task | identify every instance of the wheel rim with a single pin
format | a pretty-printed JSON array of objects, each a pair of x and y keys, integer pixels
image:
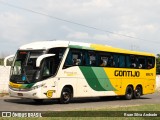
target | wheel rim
[
  {"x": 66, "y": 96},
  {"x": 129, "y": 92},
  {"x": 138, "y": 92}
]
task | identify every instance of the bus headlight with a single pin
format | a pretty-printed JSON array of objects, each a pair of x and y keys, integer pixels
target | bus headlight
[{"x": 37, "y": 86}]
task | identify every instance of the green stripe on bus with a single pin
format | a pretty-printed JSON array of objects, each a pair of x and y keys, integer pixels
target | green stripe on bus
[
  {"x": 91, "y": 78},
  {"x": 30, "y": 85},
  {"x": 103, "y": 79},
  {"x": 97, "y": 78},
  {"x": 80, "y": 47},
  {"x": 27, "y": 85}
]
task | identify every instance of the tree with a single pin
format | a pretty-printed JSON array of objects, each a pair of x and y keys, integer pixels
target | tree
[
  {"x": 1, "y": 61},
  {"x": 158, "y": 63},
  {"x": 9, "y": 62}
]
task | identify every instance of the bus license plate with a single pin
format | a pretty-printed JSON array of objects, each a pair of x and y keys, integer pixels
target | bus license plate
[{"x": 20, "y": 94}]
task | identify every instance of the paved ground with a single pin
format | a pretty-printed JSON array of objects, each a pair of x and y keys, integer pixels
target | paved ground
[{"x": 15, "y": 104}]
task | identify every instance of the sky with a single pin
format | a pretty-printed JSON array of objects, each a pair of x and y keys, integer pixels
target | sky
[{"x": 138, "y": 19}]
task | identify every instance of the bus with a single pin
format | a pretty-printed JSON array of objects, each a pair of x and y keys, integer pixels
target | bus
[{"x": 65, "y": 70}]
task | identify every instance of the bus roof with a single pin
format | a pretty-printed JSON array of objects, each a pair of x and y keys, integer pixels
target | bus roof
[{"x": 62, "y": 43}]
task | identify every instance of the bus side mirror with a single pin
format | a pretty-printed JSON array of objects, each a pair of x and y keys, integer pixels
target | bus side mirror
[
  {"x": 6, "y": 58},
  {"x": 40, "y": 58}
]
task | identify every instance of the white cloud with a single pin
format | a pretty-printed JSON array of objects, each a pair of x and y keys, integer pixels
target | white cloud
[
  {"x": 11, "y": 29},
  {"x": 133, "y": 18},
  {"x": 151, "y": 27},
  {"x": 65, "y": 28},
  {"x": 97, "y": 37},
  {"x": 78, "y": 35},
  {"x": 101, "y": 37}
]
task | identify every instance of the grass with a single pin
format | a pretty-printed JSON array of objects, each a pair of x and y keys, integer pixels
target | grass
[
  {"x": 95, "y": 112},
  {"x": 151, "y": 107}
]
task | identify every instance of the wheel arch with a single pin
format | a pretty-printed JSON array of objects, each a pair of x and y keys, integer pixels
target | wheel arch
[
  {"x": 131, "y": 86},
  {"x": 70, "y": 87}
]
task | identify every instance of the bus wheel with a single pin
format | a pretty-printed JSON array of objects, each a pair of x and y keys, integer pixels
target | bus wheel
[
  {"x": 38, "y": 100},
  {"x": 129, "y": 93},
  {"x": 137, "y": 92},
  {"x": 66, "y": 95}
]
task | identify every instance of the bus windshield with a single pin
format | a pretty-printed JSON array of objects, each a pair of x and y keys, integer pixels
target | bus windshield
[{"x": 24, "y": 69}]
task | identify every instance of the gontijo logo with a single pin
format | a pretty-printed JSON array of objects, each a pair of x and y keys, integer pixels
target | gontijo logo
[{"x": 124, "y": 73}]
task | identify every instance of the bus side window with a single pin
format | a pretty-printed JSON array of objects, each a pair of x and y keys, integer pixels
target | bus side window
[
  {"x": 150, "y": 63},
  {"x": 92, "y": 58},
  {"x": 111, "y": 62},
  {"x": 68, "y": 61},
  {"x": 49, "y": 68},
  {"x": 74, "y": 58},
  {"x": 121, "y": 61},
  {"x": 141, "y": 62},
  {"x": 103, "y": 59},
  {"x": 128, "y": 61},
  {"x": 116, "y": 60},
  {"x": 59, "y": 52},
  {"x": 133, "y": 61}
]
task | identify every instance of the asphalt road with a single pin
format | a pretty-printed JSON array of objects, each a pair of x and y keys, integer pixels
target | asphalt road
[{"x": 16, "y": 104}]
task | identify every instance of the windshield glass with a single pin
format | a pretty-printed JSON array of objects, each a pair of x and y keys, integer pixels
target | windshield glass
[{"x": 24, "y": 69}]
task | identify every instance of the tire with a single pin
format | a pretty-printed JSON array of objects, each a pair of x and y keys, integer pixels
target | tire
[
  {"x": 129, "y": 93},
  {"x": 66, "y": 95},
  {"x": 138, "y": 92},
  {"x": 38, "y": 100}
]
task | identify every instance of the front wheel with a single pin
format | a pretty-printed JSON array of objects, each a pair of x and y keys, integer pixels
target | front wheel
[
  {"x": 66, "y": 95},
  {"x": 129, "y": 93}
]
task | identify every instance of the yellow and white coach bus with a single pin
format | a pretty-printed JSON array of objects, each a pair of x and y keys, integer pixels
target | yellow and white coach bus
[{"x": 64, "y": 70}]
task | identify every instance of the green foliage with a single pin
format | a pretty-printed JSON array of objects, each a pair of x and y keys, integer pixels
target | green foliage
[
  {"x": 9, "y": 63},
  {"x": 1, "y": 61},
  {"x": 158, "y": 63}
]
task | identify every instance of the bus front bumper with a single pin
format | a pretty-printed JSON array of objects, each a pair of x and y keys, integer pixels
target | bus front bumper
[{"x": 32, "y": 94}]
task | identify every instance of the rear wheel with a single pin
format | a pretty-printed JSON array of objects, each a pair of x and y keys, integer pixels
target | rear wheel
[
  {"x": 138, "y": 92},
  {"x": 129, "y": 93},
  {"x": 66, "y": 95}
]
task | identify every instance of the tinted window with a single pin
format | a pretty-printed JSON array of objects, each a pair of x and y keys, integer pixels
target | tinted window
[
  {"x": 79, "y": 57},
  {"x": 121, "y": 61},
  {"x": 150, "y": 62},
  {"x": 141, "y": 63},
  {"x": 91, "y": 61},
  {"x": 74, "y": 58}
]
